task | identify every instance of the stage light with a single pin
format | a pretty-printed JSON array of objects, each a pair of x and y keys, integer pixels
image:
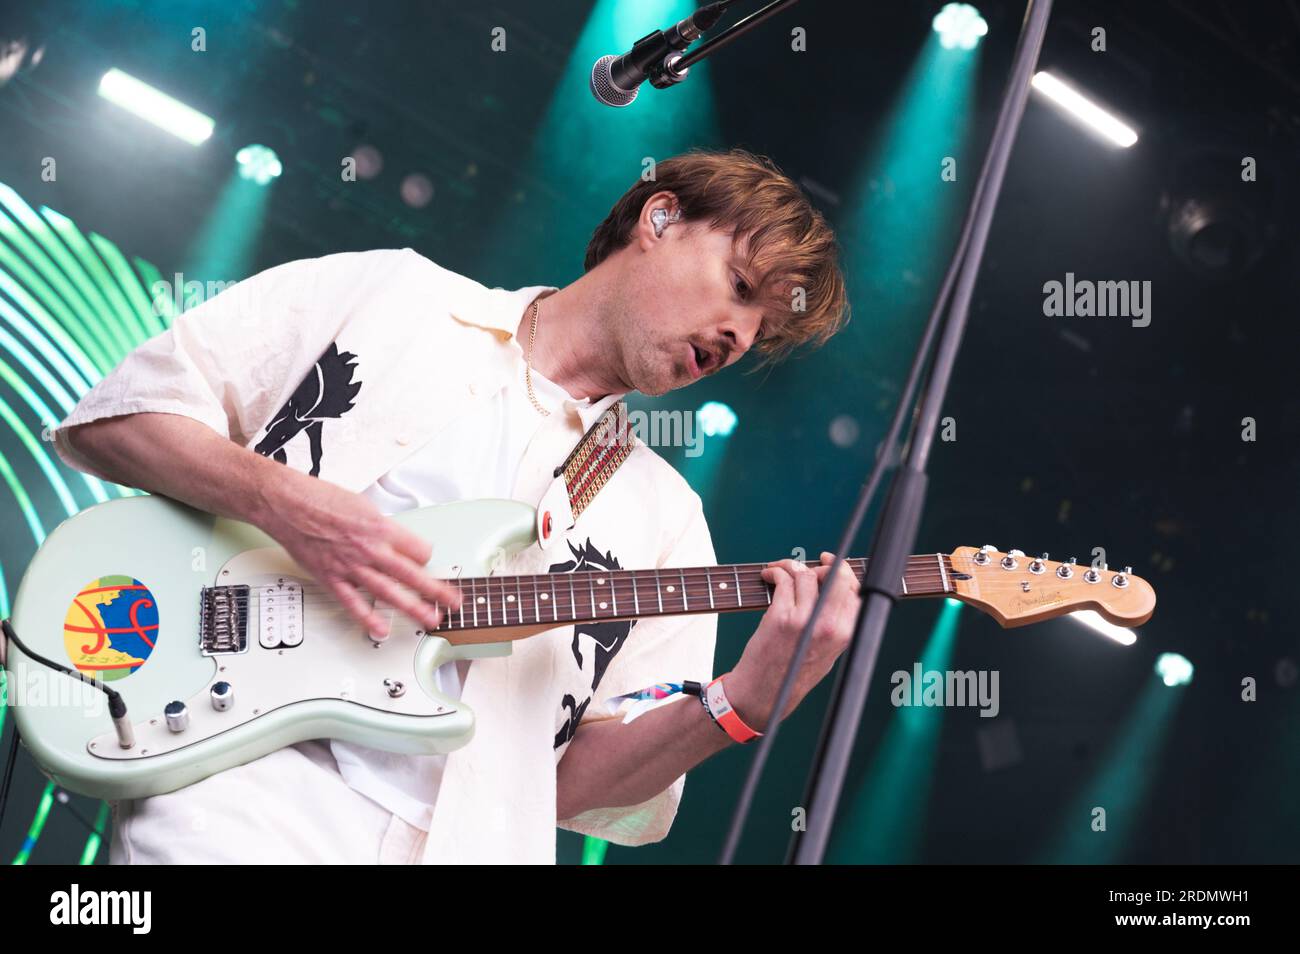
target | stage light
[
  {"x": 1098, "y": 624},
  {"x": 959, "y": 26},
  {"x": 1084, "y": 110},
  {"x": 716, "y": 419},
  {"x": 258, "y": 163},
  {"x": 155, "y": 106},
  {"x": 1174, "y": 669}
]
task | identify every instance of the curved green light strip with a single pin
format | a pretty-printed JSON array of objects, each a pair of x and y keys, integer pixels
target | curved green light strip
[
  {"x": 81, "y": 293},
  {"x": 37, "y": 826},
  {"x": 71, "y": 307},
  {"x": 84, "y": 324},
  {"x": 141, "y": 303},
  {"x": 11, "y": 278},
  {"x": 150, "y": 276},
  {"x": 33, "y": 445},
  {"x": 91, "y": 851},
  {"x": 127, "y": 326},
  {"x": 24, "y": 501}
]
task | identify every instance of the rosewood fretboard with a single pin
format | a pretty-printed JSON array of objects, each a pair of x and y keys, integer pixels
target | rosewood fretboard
[{"x": 490, "y": 602}]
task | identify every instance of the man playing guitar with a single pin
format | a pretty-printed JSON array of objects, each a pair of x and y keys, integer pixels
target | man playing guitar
[{"x": 383, "y": 382}]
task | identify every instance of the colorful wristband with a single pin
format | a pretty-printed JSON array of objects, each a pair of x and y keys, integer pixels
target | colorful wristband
[{"x": 720, "y": 711}]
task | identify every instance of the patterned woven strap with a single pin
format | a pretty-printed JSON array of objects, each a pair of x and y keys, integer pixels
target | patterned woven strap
[{"x": 600, "y": 452}]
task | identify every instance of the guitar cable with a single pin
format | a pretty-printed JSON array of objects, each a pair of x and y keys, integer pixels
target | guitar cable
[{"x": 116, "y": 704}]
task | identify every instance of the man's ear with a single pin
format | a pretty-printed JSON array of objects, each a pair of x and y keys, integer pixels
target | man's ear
[{"x": 658, "y": 213}]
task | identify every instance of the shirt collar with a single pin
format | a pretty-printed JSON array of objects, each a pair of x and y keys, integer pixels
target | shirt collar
[{"x": 501, "y": 310}]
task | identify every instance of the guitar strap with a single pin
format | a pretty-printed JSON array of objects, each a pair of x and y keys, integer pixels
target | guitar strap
[{"x": 587, "y": 469}]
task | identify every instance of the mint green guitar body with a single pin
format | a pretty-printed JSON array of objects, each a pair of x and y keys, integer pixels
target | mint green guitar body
[{"x": 115, "y": 591}]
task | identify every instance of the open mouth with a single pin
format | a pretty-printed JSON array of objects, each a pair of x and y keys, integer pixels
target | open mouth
[{"x": 705, "y": 360}]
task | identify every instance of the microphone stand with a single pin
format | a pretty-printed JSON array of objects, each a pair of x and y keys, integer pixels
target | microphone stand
[
  {"x": 901, "y": 514},
  {"x": 674, "y": 66}
]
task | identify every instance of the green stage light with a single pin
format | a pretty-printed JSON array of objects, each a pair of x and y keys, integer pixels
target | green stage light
[
  {"x": 1174, "y": 669},
  {"x": 959, "y": 26},
  {"x": 155, "y": 106},
  {"x": 258, "y": 163},
  {"x": 716, "y": 419}
]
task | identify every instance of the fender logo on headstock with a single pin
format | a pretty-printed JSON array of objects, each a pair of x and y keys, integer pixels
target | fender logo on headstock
[{"x": 1041, "y": 598}]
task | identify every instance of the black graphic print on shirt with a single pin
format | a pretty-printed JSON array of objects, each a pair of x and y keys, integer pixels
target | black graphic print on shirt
[
  {"x": 325, "y": 392},
  {"x": 608, "y": 638}
]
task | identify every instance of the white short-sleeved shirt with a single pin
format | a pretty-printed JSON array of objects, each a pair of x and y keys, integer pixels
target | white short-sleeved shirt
[
  {"x": 477, "y": 455},
  {"x": 346, "y": 367}
]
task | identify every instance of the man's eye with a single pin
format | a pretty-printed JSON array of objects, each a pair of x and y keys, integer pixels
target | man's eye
[{"x": 742, "y": 286}]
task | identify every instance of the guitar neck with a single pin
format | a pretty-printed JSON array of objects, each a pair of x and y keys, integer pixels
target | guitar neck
[{"x": 492, "y": 602}]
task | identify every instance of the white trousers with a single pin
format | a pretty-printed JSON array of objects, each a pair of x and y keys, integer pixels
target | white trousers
[{"x": 289, "y": 807}]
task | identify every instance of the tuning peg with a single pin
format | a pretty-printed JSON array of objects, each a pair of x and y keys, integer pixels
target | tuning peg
[
  {"x": 989, "y": 548},
  {"x": 1037, "y": 565},
  {"x": 1121, "y": 579},
  {"x": 1015, "y": 553},
  {"x": 1044, "y": 556},
  {"x": 1072, "y": 560}
]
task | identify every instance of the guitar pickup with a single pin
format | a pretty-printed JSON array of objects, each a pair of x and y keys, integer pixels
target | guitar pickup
[{"x": 279, "y": 615}]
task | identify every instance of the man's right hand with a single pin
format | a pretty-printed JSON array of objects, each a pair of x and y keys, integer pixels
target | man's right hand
[{"x": 352, "y": 549}]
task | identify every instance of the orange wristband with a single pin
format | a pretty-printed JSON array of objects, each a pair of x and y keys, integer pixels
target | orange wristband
[{"x": 720, "y": 710}]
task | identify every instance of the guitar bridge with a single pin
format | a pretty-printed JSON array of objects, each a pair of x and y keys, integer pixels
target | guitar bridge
[{"x": 223, "y": 620}]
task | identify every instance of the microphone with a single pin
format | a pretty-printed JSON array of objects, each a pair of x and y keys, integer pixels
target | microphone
[{"x": 614, "y": 79}]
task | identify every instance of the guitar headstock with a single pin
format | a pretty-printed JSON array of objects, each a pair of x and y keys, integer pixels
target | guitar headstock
[{"x": 1015, "y": 589}]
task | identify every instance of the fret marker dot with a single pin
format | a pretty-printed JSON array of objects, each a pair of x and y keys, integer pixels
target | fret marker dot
[
  {"x": 671, "y": 588},
  {"x": 546, "y": 596},
  {"x": 603, "y": 605},
  {"x": 722, "y": 586},
  {"x": 482, "y": 599},
  {"x": 600, "y": 580},
  {"x": 510, "y": 599}
]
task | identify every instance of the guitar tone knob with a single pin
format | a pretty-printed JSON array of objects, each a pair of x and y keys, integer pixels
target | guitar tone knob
[
  {"x": 177, "y": 715},
  {"x": 223, "y": 696}
]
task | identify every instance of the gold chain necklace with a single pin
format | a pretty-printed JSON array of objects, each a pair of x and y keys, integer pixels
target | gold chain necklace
[{"x": 528, "y": 363}]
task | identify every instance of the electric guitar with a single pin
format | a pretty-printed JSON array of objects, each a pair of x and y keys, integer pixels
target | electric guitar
[{"x": 205, "y": 646}]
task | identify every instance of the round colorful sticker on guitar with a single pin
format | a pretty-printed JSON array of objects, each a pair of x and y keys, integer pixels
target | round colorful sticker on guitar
[{"x": 111, "y": 627}]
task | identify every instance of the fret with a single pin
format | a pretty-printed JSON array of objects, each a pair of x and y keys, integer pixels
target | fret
[
  {"x": 537, "y": 608},
  {"x": 555, "y": 613},
  {"x": 767, "y": 589},
  {"x": 505, "y": 609},
  {"x": 659, "y": 588},
  {"x": 613, "y": 592},
  {"x": 682, "y": 574},
  {"x": 591, "y": 588},
  {"x": 519, "y": 601},
  {"x": 461, "y": 609},
  {"x": 943, "y": 573},
  {"x": 735, "y": 572},
  {"x": 636, "y": 600},
  {"x": 904, "y": 582},
  {"x": 573, "y": 600},
  {"x": 473, "y": 584},
  {"x": 708, "y": 581}
]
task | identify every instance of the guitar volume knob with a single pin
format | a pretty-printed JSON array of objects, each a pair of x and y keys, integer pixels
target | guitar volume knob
[
  {"x": 223, "y": 696},
  {"x": 177, "y": 715}
]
